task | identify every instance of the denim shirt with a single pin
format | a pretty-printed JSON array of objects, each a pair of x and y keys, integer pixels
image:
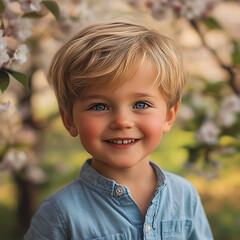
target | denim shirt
[{"x": 93, "y": 207}]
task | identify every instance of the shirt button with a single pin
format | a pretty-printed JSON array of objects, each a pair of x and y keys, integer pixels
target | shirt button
[
  {"x": 148, "y": 228},
  {"x": 119, "y": 191}
]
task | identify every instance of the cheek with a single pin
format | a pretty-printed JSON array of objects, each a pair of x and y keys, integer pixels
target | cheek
[
  {"x": 89, "y": 129},
  {"x": 152, "y": 127}
]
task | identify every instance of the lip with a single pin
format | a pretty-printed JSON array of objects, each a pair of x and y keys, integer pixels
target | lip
[{"x": 126, "y": 142}]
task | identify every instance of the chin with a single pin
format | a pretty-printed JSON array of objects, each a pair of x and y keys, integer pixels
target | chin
[{"x": 123, "y": 164}]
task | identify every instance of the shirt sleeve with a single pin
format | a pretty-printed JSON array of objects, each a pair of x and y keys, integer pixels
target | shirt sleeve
[
  {"x": 47, "y": 224},
  {"x": 200, "y": 229}
]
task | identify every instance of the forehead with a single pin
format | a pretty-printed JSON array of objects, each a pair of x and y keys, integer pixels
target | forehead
[{"x": 139, "y": 79}]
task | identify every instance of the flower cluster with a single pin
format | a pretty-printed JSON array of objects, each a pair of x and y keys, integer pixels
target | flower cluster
[
  {"x": 18, "y": 161},
  {"x": 211, "y": 115},
  {"x": 214, "y": 121},
  {"x": 30, "y": 5},
  {"x": 208, "y": 133},
  {"x": 14, "y": 160},
  {"x": 229, "y": 109},
  {"x": 4, "y": 57},
  {"x": 18, "y": 28},
  {"x": 16, "y": 21},
  {"x": 20, "y": 55},
  {"x": 211, "y": 120},
  {"x": 191, "y": 9}
]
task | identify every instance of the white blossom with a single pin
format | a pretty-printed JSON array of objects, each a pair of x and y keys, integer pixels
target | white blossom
[
  {"x": 192, "y": 9},
  {"x": 197, "y": 101},
  {"x": 30, "y": 5},
  {"x": 20, "y": 55},
  {"x": 4, "y": 106},
  {"x": 15, "y": 160},
  {"x": 208, "y": 133},
  {"x": 3, "y": 42},
  {"x": 21, "y": 28},
  {"x": 6, "y": 2},
  {"x": 226, "y": 119},
  {"x": 36, "y": 175},
  {"x": 65, "y": 22},
  {"x": 4, "y": 57},
  {"x": 229, "y": 107},
  {"x": 84, "y": 12},
  {"x": 176, "y": 5},
  {"x": 231, "y": 104},
  {"x": 160, "y": 11},
  {"x": 186, "y": 113}
]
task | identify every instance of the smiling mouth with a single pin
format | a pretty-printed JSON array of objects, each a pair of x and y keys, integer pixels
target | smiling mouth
[{"x": 122, "y": 141}]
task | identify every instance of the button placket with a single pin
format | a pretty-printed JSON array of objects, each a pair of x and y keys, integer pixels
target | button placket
[
  {"x": 119, "y": 191},
  {"x": 148, "y": 228}
]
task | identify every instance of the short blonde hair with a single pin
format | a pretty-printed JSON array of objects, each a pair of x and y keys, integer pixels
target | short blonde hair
[{"x": 104, "y": 53}]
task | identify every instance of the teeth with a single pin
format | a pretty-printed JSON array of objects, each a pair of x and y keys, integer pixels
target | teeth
[{"x": 118, "y": 141}]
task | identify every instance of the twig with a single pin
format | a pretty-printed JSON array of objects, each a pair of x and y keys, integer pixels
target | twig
[{"x": 229, "y": 69}]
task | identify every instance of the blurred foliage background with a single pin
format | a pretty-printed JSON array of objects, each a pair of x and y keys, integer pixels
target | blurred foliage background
[{"x": 37, "y": 156}]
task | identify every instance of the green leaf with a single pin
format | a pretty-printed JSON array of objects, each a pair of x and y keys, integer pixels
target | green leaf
[
  {"x": 236, "y": 53},
  {"x": 20, "y": 77},
  {"x": 53, "y": 8},
  {"x": 2, "y": 7},
  {"x": 212, "y": 23},
  {"x": 4, "y": 80},
  {"x": 2, "y": 25},
  {"x": 33, "y": 15},
  {"x": 214, "y": 87}
]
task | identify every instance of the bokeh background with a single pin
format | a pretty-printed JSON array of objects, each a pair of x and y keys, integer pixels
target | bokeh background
[{"x": 37, "y": 155}]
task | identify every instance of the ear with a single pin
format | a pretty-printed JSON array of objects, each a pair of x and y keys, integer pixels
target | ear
[
  {"x": 68, "y": 123},
  {"x": 170, "y": 118}
]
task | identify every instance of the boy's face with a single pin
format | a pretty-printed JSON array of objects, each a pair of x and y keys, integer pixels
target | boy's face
[{"x": 122, "y": 127}]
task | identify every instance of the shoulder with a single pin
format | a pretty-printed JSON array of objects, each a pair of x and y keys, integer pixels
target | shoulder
[
  {"x": 177, "y": 181},
  {"x": 180, "y": 187},
  {"x": 48, "y": 221},
  {"x": 53, "y": 214},
  {"x": 179, "y": 196},
  {"x": 64, "y": 197},
  {"x": 68, "y": 191},
  {"x": 69, "y": 198}
]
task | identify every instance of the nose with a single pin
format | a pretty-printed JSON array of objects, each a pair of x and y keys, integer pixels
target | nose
[{"x": 121, "y": 120}]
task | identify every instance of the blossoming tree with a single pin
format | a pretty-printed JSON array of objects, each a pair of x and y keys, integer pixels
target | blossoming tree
[
  {"x": 211, "y": 109},
  {"x": 25, "y": 28},
  {"x": 15, "y": 154}
]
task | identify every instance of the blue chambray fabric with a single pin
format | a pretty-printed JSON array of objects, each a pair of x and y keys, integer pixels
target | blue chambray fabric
[{"x": 93, "y": 207}]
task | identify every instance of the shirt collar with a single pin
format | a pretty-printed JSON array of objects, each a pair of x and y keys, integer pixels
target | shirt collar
[{"x": 99, "y": 183}]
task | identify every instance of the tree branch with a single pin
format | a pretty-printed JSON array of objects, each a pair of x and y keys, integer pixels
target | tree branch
[{"x": 229, "y": 69}]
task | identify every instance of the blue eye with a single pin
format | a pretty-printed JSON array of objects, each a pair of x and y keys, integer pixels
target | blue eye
[
  {"x": 140, "y": 105},
  {"x": 99, "y": 107}
]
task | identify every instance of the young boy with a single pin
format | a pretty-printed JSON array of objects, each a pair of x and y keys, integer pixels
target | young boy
[{"x": 118, "y": 87}]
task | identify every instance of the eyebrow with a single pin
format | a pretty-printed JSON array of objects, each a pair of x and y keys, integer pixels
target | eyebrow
[
  {"x": 98, "y": 96},
  {"x": 141, "y": 95},
  {"x": 95, "y": 96}
]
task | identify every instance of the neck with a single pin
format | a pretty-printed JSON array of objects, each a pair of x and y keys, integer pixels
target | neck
[
  {"x": 141, "y": 172},
  {"x": 138, "y": 179}
]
